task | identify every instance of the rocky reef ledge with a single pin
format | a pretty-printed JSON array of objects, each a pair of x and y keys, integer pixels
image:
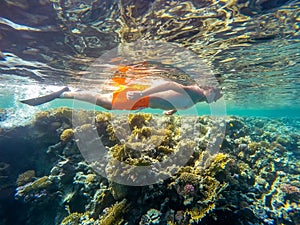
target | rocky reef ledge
[{"x": 250, "y": 177}]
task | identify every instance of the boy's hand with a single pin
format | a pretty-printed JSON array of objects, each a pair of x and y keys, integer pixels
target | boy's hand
[{"x": 133, "y": 95}]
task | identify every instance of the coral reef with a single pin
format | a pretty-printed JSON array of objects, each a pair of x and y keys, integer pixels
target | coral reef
[
  {"x": 37, "y": 185},
  {"x": 253, "y": 179},
  {"x": 25, "y": 177},
  {"x": 67, "y": 135}
]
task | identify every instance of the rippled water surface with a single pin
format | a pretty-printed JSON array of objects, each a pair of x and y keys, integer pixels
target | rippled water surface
[{"x": 251, "y": 46}]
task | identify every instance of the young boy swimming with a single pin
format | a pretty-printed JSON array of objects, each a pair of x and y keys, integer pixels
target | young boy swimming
[{"x": 169, "y": 96}]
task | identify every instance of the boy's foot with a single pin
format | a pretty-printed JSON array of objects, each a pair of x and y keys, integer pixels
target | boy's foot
[{"x": 170, "y": 112}]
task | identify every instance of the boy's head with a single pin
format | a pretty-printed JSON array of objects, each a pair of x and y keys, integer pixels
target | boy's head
[{"x": 212, "y": 94}]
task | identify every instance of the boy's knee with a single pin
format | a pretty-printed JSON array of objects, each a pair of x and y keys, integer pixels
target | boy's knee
[{"x": 104, "y": 103}]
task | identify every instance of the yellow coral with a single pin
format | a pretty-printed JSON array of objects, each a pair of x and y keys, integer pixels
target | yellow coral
[
  {"x": 72, "y": 219},
  {"x": 42, "y": 115},
  {"x": 254, "y": 146},
  {"x": 218, "y": 163},
  {"x": 86, "y": 128},
  {"x": 139, "y": 120},
  {"x": 140, "y": 133},
  {"x": 190, "y": 178},
  {"x": 165, "y": 149},
  {"x": 90, "y": 178},
  {"x": 103, "y": 117},
  {"x": 63, "y": 112},
  {"x": 53, "y": 118},
  {"x": 119, "y": 152},
  {"x": 210, "y": 193},
  {"x": 111, "y": 132},
  {"x": 78, "y": 218},
  {"x": 197, "y": 213},
  {"x": 114, "y": 214},
  {"x": 40, "y": 183},
  {"x": 67, "y": 135}
]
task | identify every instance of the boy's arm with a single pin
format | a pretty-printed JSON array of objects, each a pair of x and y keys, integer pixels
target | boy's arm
[{"x": 166, "y": 86}]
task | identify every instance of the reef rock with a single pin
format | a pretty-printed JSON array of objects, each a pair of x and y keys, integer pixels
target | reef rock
[{"x": 252, "y": 179}]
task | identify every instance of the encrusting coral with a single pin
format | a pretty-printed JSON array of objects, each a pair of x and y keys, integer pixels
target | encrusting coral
[{"x": 253, "y": 178}]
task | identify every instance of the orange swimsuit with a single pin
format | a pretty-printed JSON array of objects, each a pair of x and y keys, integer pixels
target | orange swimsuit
[{"x": 120, "y": 101}]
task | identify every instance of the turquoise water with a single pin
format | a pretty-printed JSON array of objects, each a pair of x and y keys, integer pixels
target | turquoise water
[
  {"x": 18, "y": 114},
  {"x": 242, "y": 152}
]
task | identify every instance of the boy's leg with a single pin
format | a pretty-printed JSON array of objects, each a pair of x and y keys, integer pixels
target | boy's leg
[
  {"x": 103, "y": 100},
  {"x": 159, "y": 103}
]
